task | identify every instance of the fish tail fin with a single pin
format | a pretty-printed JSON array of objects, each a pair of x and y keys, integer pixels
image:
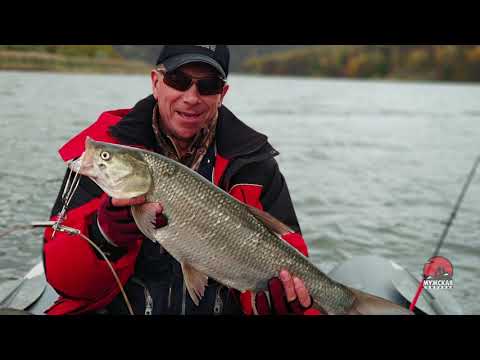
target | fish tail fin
[{"x": 367, "y": 304}]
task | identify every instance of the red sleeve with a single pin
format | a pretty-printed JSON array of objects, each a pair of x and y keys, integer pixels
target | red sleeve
[
  {"x": 71, "y": 265},
  {"x": 84, "y": 280}
]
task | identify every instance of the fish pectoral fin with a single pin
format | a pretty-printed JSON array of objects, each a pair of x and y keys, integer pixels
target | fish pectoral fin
[
  {"x": 195, "y": 282},
  {"x": 269, "y": 221},
  {"x": 145, "y": 216}
]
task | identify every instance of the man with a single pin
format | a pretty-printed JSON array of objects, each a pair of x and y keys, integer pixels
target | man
[{"x": 183, "y": 119}]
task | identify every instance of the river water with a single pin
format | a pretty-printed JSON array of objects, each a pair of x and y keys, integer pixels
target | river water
[{"x": 373, "y": 167}]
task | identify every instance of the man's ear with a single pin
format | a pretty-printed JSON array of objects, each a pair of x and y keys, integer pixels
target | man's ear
[
  {"x": 155, "y": 77},
  {"x": 224, "y": 92}
]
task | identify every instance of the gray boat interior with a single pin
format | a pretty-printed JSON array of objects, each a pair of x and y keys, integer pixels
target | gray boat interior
[{"x": 33, "y": 295}]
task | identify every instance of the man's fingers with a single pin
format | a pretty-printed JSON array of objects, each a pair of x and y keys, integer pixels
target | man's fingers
[
  {"x": 302, "y": 293},
  {"x": 294, "y": 287},
  {"x": 288, "y": 285},
  {"x": 158, "y": 208},
  {"x": 127, "y": 202}
]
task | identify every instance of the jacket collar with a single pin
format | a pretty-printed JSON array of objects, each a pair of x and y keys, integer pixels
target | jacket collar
[
  {"x": 136, "y": 127},
  {"x": 233, "y": 137}
]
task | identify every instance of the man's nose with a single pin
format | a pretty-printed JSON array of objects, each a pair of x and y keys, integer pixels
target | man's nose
[{"x": 192, "y": 96}]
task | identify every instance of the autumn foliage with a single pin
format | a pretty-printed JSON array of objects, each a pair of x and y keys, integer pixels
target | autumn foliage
[{"x": 423, "y": 62}]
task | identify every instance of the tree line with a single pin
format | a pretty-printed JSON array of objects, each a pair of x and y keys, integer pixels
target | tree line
[{"x": 421, "y": 62}]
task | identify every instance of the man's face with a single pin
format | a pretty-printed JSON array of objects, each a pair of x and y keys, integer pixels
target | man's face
[{"x": 184, "y": 113}]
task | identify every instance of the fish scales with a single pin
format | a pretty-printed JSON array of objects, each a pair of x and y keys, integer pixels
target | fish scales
[
  {"x": 231, "y": 245},
  {"x": 211, "y": 233}
]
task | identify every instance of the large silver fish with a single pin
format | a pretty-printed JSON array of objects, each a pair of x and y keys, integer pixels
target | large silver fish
[{"x": 211, "y": 233}]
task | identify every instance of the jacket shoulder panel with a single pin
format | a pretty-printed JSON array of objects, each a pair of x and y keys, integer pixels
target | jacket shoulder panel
[
  {"x": 275, "y": 196},
  {"x": 97, "y": 131},
  {"x": 259, "y": 173}
]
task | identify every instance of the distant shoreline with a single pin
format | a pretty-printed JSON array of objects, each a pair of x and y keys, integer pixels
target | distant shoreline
[
  {"x": 403, "y": 62},
  {"x": 283, "y": 76},
  {"x": 72, "y": 72},
  {"x": 38, "y": 61},
  {"x": 45, "y": 62}
]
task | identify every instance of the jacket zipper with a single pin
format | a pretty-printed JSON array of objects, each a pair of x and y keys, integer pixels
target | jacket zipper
[
  {"x": 218, "y": 307},
  {"x": 148, "y": 302},
  {"x": 148, "y": 297},
  {"x": 184, "y": 297},
  {"x": 169, "y": 297}
]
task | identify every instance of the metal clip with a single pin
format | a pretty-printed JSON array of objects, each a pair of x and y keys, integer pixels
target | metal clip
[
  {"x": 56, "y": 226},
  {"x": 68, "y": 230}
]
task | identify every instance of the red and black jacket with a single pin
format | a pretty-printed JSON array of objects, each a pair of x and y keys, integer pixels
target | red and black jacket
[{"x": 243, "y": 165}]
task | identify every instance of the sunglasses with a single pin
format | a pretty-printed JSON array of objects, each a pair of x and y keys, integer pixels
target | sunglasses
[{"x": 182, "y": 82}]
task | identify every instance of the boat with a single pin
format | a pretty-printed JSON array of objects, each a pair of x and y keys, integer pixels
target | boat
[{"x": 33, "y": 295}]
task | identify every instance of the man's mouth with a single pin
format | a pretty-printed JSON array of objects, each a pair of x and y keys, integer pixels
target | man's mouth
[{"x": 191, "y": 116}]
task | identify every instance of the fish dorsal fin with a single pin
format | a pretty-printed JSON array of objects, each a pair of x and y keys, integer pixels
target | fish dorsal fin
[
  {"x": 270, "y": 222},
  {"x": 195, "y": 282},
  {"x": 145, "y": 218}
]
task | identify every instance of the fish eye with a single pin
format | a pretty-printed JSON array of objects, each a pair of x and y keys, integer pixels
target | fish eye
[{"x": 105, "y": 155}]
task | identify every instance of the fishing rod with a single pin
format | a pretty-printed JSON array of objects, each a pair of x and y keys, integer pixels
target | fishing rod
[{"x": 447, "y": 228}]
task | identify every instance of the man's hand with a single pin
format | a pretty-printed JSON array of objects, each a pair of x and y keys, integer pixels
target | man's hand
[
  {"x": 288, "y": 295},
  {"x": 295, "y": 289},
  {"x": 116, "y": 221}
]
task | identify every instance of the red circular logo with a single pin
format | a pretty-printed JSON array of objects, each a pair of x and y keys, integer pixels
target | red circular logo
[{"x": 438, "y": 267}]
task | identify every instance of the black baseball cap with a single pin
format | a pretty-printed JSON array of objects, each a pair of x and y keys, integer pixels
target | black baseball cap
[{"x": 174, "y": 56}]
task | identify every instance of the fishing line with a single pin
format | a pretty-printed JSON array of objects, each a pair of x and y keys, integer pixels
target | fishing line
[
  {"x": 67, "y": 184},
  {"x": 447, "y": 227},
  {"x": 67, "y": 196},
  {"x": 73, "y": 189},
  {"x": 119, "y": 283},
  {"x": 73, "y": 231}
]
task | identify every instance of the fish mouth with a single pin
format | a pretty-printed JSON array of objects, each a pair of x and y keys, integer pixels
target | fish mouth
[
  {"x": 84, "y": 164},
  {"x": 113, "y": 181}
]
